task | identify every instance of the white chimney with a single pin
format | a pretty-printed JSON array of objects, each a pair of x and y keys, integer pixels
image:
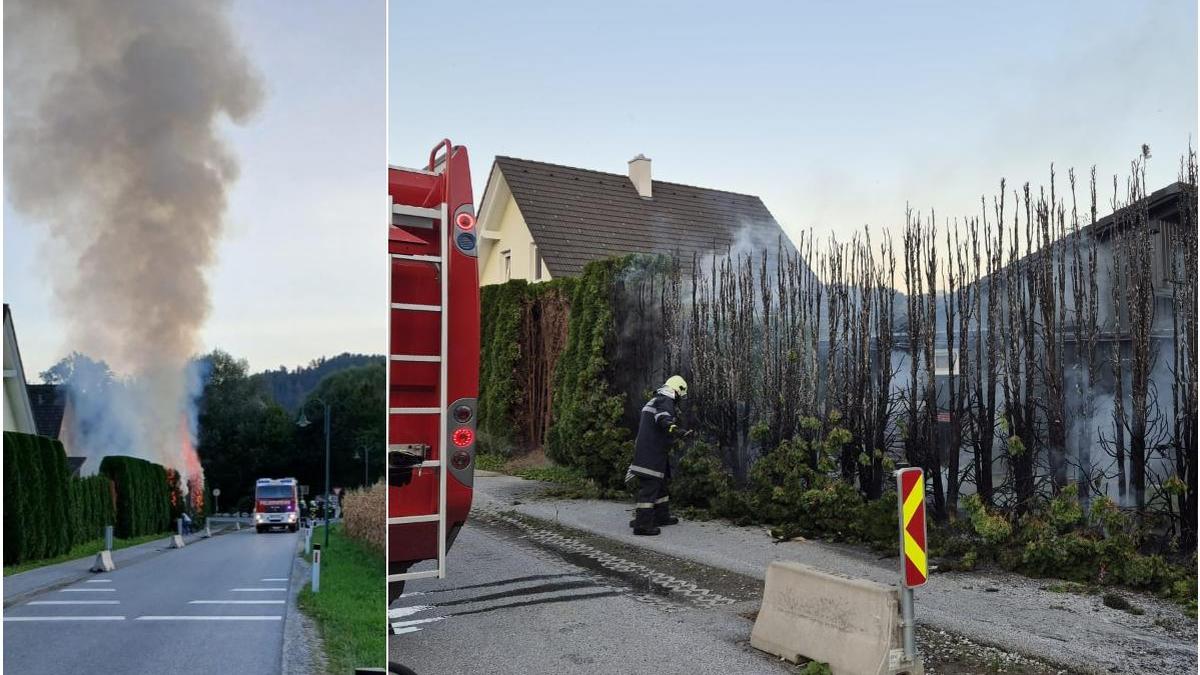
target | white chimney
[{"x": 639, "y": 175}]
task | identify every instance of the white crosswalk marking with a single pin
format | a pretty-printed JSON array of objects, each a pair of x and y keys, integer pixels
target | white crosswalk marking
[
  {"x": 237, "y": 602},
  {"x": 98, "y": 581},
  {"x": 257, "y": 590},
  {"x": 75, "y": 602},
  {"x": 274, "y": 579},
  {"x": 252, "y": 617},
  {"x": 401, "y": 612},
  {"x": 88, "y": 590},
  {"x": 64, "y": 618}
]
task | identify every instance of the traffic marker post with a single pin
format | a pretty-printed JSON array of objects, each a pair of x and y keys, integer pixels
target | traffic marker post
[
  {"x": 316, "y": 568},
  {"x": 914, "y": 565}
]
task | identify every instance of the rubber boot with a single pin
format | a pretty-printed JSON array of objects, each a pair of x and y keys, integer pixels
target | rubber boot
[
  {"x": 643, "y": 523},
  {"x": 662, "y": 516}
]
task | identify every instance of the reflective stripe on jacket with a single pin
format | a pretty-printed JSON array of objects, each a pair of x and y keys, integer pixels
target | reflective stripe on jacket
[{"x": 650, "y": 451}]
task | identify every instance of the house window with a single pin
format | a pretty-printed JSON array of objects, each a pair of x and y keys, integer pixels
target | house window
[
  {"x": 507, "y": 264},
  {"x": 535, "y": 257}
]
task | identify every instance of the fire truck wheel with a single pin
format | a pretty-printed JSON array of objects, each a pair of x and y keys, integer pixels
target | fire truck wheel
[
  {"x": 292, "y": 528},
  {"x": 395, "y": 590},
  {"x": 258, "y": 529}
]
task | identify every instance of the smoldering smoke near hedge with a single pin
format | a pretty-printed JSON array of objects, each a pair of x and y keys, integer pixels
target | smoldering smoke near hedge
[{"x": 112, "y": 143}]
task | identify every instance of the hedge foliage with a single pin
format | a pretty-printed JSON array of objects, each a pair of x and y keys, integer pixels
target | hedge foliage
[
  {"x": 504, "y": 311},
  {"x": 46, "y": 511},
  {"x": 92, "y": 508},
  {"x": 587, "y": 430},
  {"x": 500, "y": 325},
  {"x": 143, "y": 495}
]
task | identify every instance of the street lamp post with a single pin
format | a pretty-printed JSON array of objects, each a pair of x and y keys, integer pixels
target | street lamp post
[
  {"x": 366, "y": 458},
  {"x": 303, "y": 422}
]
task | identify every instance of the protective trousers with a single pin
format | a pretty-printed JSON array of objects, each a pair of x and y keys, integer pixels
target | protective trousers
[{"x": 653, "y": 502}]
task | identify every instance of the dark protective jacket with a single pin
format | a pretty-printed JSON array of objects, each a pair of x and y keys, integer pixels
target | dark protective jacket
[{"x": 650, "y": 451}]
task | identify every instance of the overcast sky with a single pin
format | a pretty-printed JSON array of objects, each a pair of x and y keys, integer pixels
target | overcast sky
[
  {"x": 302, "y": 269},
  {"x": 836, "y": 113}
]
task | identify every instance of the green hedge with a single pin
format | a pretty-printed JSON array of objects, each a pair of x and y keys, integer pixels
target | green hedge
[
  {"x": 500, "y": 325},
  {"x": 36, "y": 498},
  {"x": 143, "y": 495},
  {"x": 586, "y": 431},
  {"x": 92, "y": 508}
]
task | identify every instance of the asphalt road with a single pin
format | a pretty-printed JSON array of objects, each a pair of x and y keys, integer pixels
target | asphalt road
[
  {"x": 215, "y": 606},
  {"x": 510, "y": 604}
]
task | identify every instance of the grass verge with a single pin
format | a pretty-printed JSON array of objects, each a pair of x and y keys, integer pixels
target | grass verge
[
  {"x": 84, "y": 550},
  {"x": 351, "y": 609}
]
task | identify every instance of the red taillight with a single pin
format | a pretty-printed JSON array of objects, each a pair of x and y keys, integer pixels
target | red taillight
[
  {"x": 465, "y": 221},
  {"x": 463, "y": 437}
]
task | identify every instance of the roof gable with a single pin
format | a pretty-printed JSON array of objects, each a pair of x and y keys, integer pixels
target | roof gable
[{"x": 576, "y": 216}]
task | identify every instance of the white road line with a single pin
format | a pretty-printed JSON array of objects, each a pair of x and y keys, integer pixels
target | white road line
[
  {"x": 274, "y": 579},
  {"x": 75, "y": 602},
  {"x": 256, "y": 590},
  {"x": 88, "y": 590},
  {"x": 98, "y": 581},
  {"x": 402, "y": 631},
  {"x": 210, "y": 618},
  {"x": 401, "y": 612},
  {"x": 64, "y": 618},
  {"x": 414, "y": 622},
  {"x": 409, "y": 595},
  {"x": 237, "y": 602}
]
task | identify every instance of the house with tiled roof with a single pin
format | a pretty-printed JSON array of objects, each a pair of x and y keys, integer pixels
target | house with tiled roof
[
  {"x": 539, "y": 221},
  {"x": 18, "y": 414}
]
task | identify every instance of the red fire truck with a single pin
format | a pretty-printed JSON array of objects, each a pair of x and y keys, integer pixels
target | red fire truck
[{"x": 433, "y": 362}]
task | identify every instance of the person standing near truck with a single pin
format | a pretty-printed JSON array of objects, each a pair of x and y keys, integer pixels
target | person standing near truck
[{"x": 657, "y": 430}]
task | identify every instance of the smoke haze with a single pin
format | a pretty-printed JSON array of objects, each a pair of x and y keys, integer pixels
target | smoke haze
[{"x": 112, "y": 143}]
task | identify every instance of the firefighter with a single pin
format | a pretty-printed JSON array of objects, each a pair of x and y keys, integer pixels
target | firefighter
[{"x": 651, "y": 460}]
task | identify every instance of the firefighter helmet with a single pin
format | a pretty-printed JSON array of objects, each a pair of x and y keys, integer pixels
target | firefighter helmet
[{"x": 677, "y": 384}]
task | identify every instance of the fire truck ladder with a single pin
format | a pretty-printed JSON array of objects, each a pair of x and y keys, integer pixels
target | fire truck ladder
[{"x": 438, "y": 218}]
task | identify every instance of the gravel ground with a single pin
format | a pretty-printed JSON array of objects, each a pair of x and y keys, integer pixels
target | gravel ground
[
  {"x": 303, "y": 652},
  {"x": 1012, "y": 613}
]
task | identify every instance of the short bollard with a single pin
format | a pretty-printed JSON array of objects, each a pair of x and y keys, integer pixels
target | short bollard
[
  {"x": 316, "y": 568},
  {"x": 177, "y": 538},
  {"x": 207, "y": 529},
  {"x": 308, "y": 540},
  {"x": 104, "y": 561}
]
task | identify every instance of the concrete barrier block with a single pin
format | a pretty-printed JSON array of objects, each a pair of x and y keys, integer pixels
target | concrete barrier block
[
  {"x": 104, "y": 562},
  {"x": 851, "y": 624},
  {"x": 176, "y": 541}
]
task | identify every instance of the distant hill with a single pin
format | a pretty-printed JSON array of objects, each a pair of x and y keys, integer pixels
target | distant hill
[{"x": 290, "y": 387}]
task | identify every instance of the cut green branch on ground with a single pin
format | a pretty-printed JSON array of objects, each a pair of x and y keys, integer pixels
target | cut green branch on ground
[
  {"x": 350, "y": 610},
  {"x": 81, "y": 551}
]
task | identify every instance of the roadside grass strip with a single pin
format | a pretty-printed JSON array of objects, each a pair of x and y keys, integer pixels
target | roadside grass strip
[
  {"x": 351, "y": 609},
  {"x": 84, "y": 550}
]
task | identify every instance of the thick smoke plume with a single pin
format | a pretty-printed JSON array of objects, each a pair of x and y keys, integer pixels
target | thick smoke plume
[{"x": 112, "y": 143}]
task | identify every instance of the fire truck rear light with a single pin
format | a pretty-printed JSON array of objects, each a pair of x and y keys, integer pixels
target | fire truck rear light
[
  {"x": 466, "y": 241},
  {"x": 460, "y": 460},
  {"x": 463, "y": 437},
  {"x": 462, "y": 414},
  {"x": 465, "y": 221}
]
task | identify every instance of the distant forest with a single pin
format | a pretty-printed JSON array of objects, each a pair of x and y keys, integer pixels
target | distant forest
[{"x": 290, "y": 387}]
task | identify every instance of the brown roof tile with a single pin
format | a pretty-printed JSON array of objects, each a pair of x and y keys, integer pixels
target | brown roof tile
[{"x": 577, "y": 216}]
